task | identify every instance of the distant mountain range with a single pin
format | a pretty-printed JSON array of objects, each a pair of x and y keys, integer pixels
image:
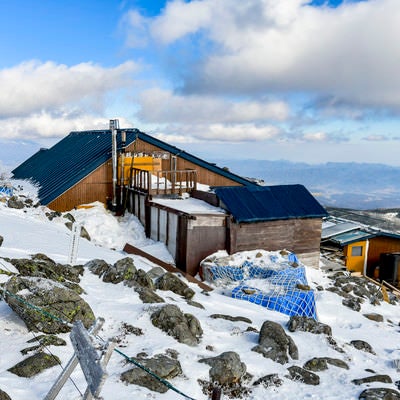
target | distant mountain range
[{"x": 359, "y": 186}]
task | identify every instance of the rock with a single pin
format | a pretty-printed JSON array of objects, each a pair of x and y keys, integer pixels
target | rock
[
  {"x": 53, "y": 214},
  {"x": 1, "y": 240},
  {"x": 299, "y": 374},
  {"x": 321, "y": 363},
  {"x": 59, "y": 304},
  {"x": 195, "y": 304},
  {"x": 97, "y": 266},
  {"x": 185, "y": 328},
  {"x": 374, "y": 317},
  {"x": 171, "y": 282},
  {"x": 269, "y": 380},
  {"x": 373, "y": 378},
  {"x": 361, "y": 345},
  {"x": 4, "y": 395},
  {"x": 230, "y": 318},
  {"x": 225, "y": 368},
  {"x": 148, "y": 296},
  {"x": 275, "y": 344},
  {"x": 44, "y": 341},
  {"x": 336, "y": 362},
  {"x": 305, "y": 324},
  {"x": 352, "y": 303},
  {"x": 142, "y": 279},
  {"x": 48, "y": 340},
  {"x": 42, "y": 266},
  {"x": 15, "y": 202},
  {"x": 70, "y": 217},
  {"x": 122, "y": 270},
  {"x": 379, "y": 394},
  {"x": 85, "y": 234},
  {"x": 316, "y": 364},
  {"x": 156, "y": 273},
  {"x": 35, "y": 364},
  {"x": 161, "y": 365}
]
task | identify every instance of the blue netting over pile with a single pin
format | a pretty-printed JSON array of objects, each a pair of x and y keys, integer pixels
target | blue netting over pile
[
  {"x": 276, "y": 282},
  {"x": 6, "y": 190}
]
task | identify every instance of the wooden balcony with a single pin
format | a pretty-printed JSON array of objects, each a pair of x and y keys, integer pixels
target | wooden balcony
[{"x": 160, "y": 183}]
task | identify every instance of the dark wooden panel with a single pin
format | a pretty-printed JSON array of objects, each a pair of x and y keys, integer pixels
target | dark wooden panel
[
  {"x": 297, "y": 235},
  {"x": 201, "y": 242}
]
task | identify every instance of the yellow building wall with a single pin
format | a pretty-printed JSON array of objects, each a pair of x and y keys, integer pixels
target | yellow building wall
[{"x": 355, "y": 263}]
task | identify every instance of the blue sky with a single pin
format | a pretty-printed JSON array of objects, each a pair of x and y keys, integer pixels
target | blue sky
[{"x": 264, "y": 79}]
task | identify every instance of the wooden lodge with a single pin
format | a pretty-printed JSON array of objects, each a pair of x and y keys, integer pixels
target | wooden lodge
[{"x": 131, "y": 171}]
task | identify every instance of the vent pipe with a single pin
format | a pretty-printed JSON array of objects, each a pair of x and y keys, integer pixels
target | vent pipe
[{"x": 114, "y": 126}]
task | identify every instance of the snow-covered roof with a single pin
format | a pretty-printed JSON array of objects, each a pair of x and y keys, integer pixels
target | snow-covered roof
[{"x": 190, "y": 206}]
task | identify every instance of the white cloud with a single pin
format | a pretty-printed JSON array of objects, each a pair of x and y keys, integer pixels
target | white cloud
[
  {"x": 376, "y": 138},
  {"x": 218, "y": 133},
  {"x": 259, "y": 46},
  {"x": 163, "y": 106},
  {"x": 315, "y": 136},
  {"x": 33, "y": 86},
  {"x": 44, "y": 125}
]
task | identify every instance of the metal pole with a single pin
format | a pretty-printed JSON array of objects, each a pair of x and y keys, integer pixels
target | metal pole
[{"x": 114, "y": 125}]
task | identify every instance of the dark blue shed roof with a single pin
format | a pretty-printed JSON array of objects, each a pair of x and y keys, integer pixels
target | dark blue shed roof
[
  {"x": 267, "y": 203},
  {"x": 73, "y": 158}
]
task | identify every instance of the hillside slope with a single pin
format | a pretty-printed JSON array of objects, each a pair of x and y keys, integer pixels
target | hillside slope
[{"x": 28, "y": 231}]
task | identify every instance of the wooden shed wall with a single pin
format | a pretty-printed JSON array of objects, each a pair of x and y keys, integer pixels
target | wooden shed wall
[
  {"x": 97, "y": 186},
  {"x": 203, "y": 175},
  {"x": 381, "y": 244},
  {"x": 301, "y": 236}
]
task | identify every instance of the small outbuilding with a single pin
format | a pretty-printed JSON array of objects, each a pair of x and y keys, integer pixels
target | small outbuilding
[{"x": 364, "y": 249}]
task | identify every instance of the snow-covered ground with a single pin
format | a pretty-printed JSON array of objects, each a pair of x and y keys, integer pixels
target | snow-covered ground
[{"x": 28, "y": 231}]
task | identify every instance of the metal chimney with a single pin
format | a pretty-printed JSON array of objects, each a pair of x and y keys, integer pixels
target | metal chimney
[{"x": 114, "y": 126}]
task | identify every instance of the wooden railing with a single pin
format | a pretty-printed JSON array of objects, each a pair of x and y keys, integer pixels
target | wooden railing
[{"x": 163, "y": 182}]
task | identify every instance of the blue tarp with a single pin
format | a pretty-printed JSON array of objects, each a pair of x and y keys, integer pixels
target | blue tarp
[{"x": 281, "y": 286}]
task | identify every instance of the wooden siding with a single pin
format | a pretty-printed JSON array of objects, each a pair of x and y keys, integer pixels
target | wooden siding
[
  {"x": 203, "y": 175},
  {"x": 301, "y": 236},
  {"x": 97, "y": 186}
]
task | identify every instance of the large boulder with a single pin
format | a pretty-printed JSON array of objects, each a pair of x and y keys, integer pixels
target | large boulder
[
  {"x": 45, "y": 305},
  {"x": 226, "y": 368},
  {"x": 274, "y": 343},
  {"x": 185, "y": 328},
  {"x": 163, "y": 366}
]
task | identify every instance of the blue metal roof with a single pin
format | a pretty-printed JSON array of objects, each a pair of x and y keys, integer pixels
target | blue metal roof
[
  {"x": 267, "y": 203},
  {"x": 77, "y": 155},
  {"x": 351, "y": 237}
]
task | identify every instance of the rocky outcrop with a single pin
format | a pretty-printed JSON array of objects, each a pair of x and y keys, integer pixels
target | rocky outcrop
[
  {"x": 40, "y": 265},
  {"x": 275, "y": 344},
  {"x": 45, "y": 305},
  {"x": 379, "y": 394}
]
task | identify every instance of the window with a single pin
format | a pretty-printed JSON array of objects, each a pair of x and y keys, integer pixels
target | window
[{"x": 356, "y": 251}]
